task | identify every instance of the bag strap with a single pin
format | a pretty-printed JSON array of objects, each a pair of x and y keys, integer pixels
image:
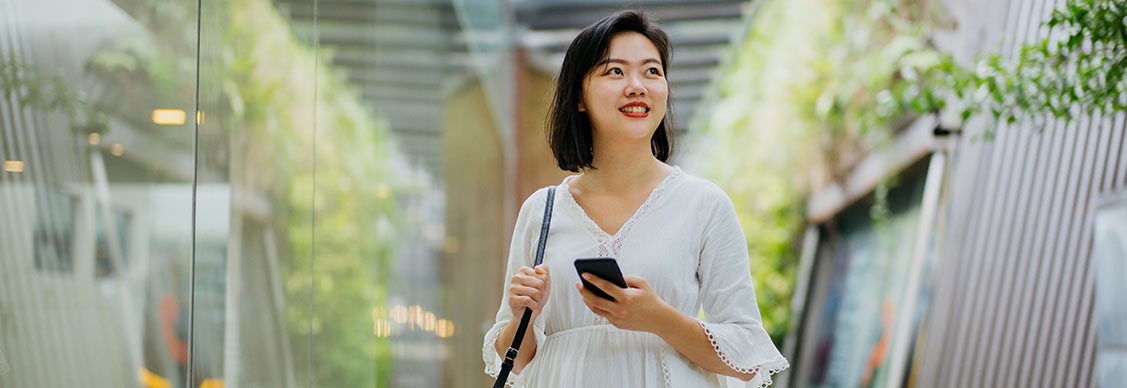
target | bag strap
[{"x": 511, "y": 354}]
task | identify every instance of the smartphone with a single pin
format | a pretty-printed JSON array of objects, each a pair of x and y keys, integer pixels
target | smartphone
[{"x": 603, "y": 267}]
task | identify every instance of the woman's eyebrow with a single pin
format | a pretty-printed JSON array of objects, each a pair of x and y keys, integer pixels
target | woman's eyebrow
[{"x": 625, "y": 62}]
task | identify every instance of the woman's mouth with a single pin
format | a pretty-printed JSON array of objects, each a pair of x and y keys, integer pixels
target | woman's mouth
[{"x": 637, "y": 110}]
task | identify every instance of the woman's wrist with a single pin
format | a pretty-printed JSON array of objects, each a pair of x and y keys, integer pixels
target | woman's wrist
[{"x": 671, "y": 323}]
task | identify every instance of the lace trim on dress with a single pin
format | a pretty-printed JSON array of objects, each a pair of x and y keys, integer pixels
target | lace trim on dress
[
  {"x": 492, "y": 369},
  {"x": 763, "y": 372},
  {"x": 608, "y": 245},
  {"x": 665, "y": 371}
]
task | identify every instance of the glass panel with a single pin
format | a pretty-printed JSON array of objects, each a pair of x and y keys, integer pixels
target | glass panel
[
  {"x": 253, "y": 243},
  {"x": 96, "y": 191},
  {"x": 1109, "y": 254},
  {"x": 258, "y": 181},
  {"x": 384, "y": 68}
]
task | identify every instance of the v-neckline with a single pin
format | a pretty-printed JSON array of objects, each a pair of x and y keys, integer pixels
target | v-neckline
[{"x": 598, "y": 231}]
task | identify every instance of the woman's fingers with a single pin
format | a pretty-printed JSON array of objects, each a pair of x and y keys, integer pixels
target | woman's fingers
[
  {"x": 593, "y": 300},
  {"x": 607, "y": 287},
  {"x": 529, "y": 288},
  {"x": 530, "y": 292},
  {"x": 636, "y": 282},
  {"x": 544, "y": 275},
  {"x": 528, "y": 280},
  {"x": 520, "y": 301},
  {"x": 596, "y": 303}
]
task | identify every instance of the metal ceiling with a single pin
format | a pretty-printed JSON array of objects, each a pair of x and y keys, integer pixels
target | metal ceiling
[{"x": 405, "y": 56}]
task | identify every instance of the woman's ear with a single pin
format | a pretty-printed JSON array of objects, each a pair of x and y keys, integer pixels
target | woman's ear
[{"x": 581, "y": 107}]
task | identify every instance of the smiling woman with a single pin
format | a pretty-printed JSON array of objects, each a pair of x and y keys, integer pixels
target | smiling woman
[
  {"x": 592, "y": 77},
  {"x": 676, "y": 238}
]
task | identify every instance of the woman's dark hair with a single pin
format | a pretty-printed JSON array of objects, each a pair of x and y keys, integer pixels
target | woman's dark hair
[{"x": 569, "y": 130}]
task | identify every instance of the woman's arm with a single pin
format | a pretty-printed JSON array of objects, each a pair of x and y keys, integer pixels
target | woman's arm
[
  {"x": 687, "y": 336},
  {"x": 639, "y": 308},
  {"x": 525, "y": 287},
  {"x": 527, "y": 346},
  {"x": 528, "y": 289}
]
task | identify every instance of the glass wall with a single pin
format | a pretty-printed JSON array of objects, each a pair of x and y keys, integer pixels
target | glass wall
[
  {"x": 96, "y": 195},
  {"x": 235, "y": 193}
]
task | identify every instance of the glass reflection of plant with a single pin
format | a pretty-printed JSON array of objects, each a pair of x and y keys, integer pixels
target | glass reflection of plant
[
  {"x": 36, "y": 89},
  {"x": 258, "y": 95}
]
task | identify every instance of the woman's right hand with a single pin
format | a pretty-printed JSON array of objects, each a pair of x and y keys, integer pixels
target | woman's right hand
[{"x": 529, "y": 288}]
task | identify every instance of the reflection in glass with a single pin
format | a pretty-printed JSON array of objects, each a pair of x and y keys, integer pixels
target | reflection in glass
[
  {"x": 54, "y": 231},
  {"x": 870, "y": 262},
  {"x": 1109, "y": 254},
  {"x": 94, "y": 197},
  {"x": 216, "y": 199}
]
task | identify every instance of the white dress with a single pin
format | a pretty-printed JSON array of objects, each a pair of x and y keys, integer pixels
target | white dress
[{"x": 686, "y": 241}]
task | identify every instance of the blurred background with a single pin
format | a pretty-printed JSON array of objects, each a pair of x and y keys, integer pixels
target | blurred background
[{"x": 320, "y": 193}]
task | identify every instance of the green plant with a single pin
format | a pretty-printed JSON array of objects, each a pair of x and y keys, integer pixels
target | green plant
[
  {"x": 34, "y": 88},
  {"x": 1077, "y": 69},
  {"x": 816, "y": 85}
]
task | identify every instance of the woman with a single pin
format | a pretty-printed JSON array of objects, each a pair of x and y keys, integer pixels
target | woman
[{"x": 676, "y": 238}]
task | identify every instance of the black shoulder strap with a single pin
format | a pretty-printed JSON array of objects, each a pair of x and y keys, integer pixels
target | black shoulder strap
[
  {"x": 544, "y": 225},
  {"x": 511, "y": 354}
]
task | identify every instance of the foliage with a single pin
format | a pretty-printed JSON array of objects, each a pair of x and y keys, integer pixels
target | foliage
[
  {"x": 815, "y": 85},
  {"x": 34, "y": 88},
  {"x": 751, "y": 140},
  {"x": 1078, "y": 68},
  {"x": 348, "y": 176}
]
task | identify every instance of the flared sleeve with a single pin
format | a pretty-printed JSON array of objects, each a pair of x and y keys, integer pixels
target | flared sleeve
[
  {"x": 732, "y": 320},
  {"x": 522, "y": 253}
]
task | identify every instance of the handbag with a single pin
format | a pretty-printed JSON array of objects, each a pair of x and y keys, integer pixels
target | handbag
[{"x": 511, "y": 354}]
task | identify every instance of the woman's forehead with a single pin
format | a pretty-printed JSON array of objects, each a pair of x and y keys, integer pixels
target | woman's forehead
[{"x": 632, "y": 46}]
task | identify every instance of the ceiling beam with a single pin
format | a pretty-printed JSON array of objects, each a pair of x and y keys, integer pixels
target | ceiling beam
[
  {"x": 561, "y": 43},
  {"x": 410, "y": 14},
  {"x": 402, "y": 94},
  {"x": 546, "y": 17},
  {"x": 397, "y": 77},
  {"x": 401, "y": 62}
]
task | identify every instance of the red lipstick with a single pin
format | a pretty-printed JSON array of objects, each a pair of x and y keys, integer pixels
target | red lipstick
[{"x": 635, "y": 109}]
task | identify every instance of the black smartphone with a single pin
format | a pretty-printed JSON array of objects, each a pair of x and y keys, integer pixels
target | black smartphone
[{"x": 603, "y": 267}]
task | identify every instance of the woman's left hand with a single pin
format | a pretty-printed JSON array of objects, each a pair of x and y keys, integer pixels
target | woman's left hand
[{"x": 636, "y": 307}]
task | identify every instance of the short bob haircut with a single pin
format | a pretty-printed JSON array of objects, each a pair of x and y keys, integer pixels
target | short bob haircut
[{"x": 569, "y": 130}]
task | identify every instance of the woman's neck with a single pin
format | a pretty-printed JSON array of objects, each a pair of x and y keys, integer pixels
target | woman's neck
[{"x": 620, "y": 170}]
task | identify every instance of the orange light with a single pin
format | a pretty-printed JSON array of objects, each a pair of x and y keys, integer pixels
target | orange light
[
  {"x": 399, "y": 314},
  {"x": 95, "y": 138},
  {"x": 169, "y": 116},
  {"x": 117, "y": 149},
  {"x": 13, "y": 165},
  {"x": 151, "y": 380},
  {"x": 445, "y": 329},
  {"x": 428, "y": 321}
]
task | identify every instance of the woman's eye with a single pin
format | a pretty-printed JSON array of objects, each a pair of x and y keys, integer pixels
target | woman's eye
[
  {"x": 652, "y": 70},
  {"x": 615, "y": 71}
]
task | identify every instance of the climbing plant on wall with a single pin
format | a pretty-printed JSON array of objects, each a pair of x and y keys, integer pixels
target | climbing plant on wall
[{"x": 813, "y": 86}]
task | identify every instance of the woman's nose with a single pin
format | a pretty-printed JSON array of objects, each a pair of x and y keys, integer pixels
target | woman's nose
[{"x": 635, "y": 87}]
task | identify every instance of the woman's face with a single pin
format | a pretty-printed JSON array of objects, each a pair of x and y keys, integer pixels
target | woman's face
[{"x": 625, "y": 95}]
